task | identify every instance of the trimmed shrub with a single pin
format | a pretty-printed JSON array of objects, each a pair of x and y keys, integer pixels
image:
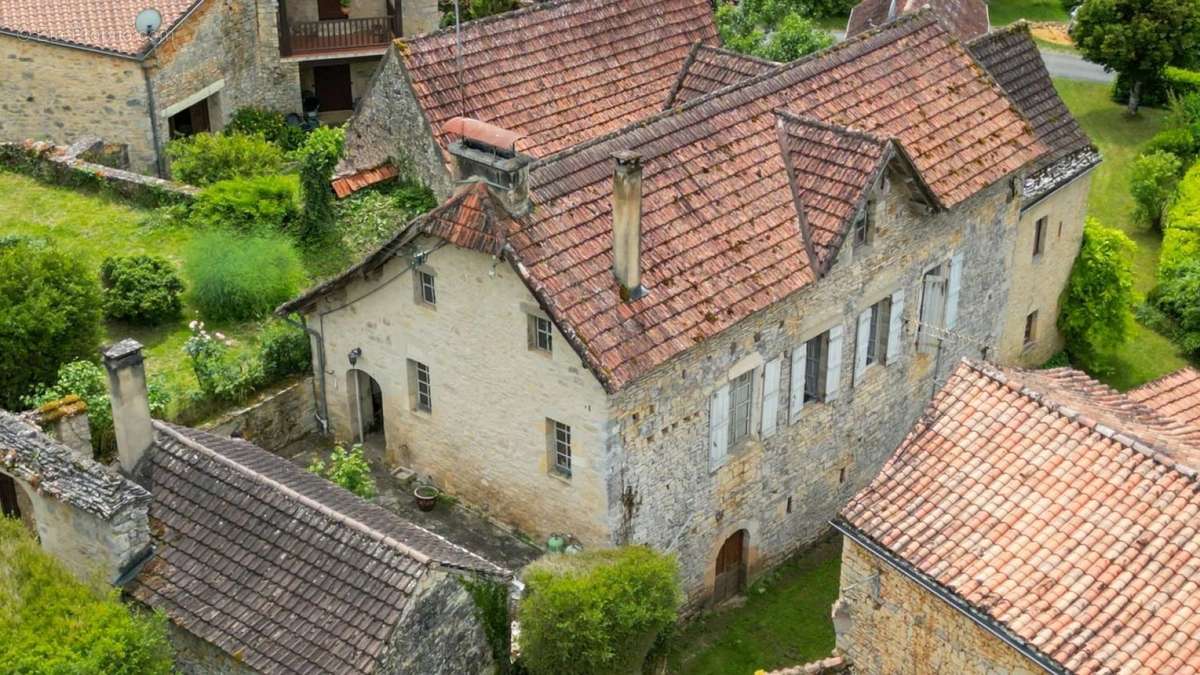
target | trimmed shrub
[
  {"x": 318, "y": 157},
  {"x": 1097, "y": 306},
  {"x": 1179, "y": 142},
  {"x": 1181, "y": 81},
  {"x": 1181, "y": 237},
  {"x": 1152, "y": 182},
  {"x": 50, "y": 313},
  {"x": 269, "y": 124},
  {"x": 613, "y": 603},
  {"x": 236, "y": 278},
  {"x": 347, "y": 468},
  {"x": 207, "y": 158},
  {"x": 52, "y": 623},
  {"x": 284, "y": 349},
  {"x": 1178, "y": 297},
  {"x": 259, "y": 203},
  {"x": 141, "y": 289},
  {"x": 1185, "y": 113}
]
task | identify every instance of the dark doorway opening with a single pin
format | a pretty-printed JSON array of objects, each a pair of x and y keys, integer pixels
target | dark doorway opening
[
  {"x": 731, "y": 568},
  {"x": 191, "y": 120},
  {"x": 367, "y": 408},
  {"x": 328, "y": 10},
  {"x": 332, "y": 85},
  {"x": 8, "y": 497}
]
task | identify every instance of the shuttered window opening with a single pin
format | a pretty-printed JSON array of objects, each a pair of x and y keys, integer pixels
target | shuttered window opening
[
  {"x": 880, "y": 334},
  {"x": 741, "y": 398},
  {"x": 940, "y": 289},
  {"x": 770, "y": 397},
  {"x": 816, "y": 369}
]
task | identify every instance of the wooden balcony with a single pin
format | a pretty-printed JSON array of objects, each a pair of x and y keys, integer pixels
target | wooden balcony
[{"x": 307, "y": 38}]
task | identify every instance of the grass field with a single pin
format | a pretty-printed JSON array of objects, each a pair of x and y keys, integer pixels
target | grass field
[
  {"x": 784, "y": 622},
  {"x": 1147, "y": 355},
  {"x": 1004, "y": 12}
]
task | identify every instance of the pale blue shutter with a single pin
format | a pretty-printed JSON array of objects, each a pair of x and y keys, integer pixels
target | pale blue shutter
[
  {"x": 718, "y": 426},
  {"x": 860, "y": 344},
  {"x": 770, "y": 398},
  {"x": 896, "y": 327},
  {"x": 799, "y": 368},
  {"x": 956, "y": 263},
  {"x": 833, "y": 373}
]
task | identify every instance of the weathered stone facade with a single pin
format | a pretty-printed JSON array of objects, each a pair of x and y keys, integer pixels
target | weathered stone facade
[
  {"x": 439, "y": 632},
  {"x": 1038, "y": 281},
  {"x": 278, "y": 420},
  {"x": 887, "y": 624}
]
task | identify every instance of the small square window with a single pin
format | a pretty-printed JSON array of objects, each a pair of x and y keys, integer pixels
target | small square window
[
  {"x": 1031, "y": 328},
  {"x": 1039, "y": 235},
  {"x": 560, "y": 448},
  {"x": 864, "y": 225},
  {"x": 741, "y": 394},
  {"x": 426, "y": 289},
  {"x": 541, "y": 333},
  {"x": 420, "y": 386},
  {"x": 877, "y": 340},
  {"x": 815, "y": 367}
]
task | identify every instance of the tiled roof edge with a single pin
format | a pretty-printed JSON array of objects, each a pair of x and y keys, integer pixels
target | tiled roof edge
[
  {"x": 683, "y": 73},
  {"x": 145, "y": 52},
  {"x": 1018, "y": 26},
  {"x": 548, "y": 5},
  {"x": 781, "y": 135},
  {"x": 1123, "y": 438},
  {"x": 1162, "y": 378},
  {"x": 981, "y": 618}
]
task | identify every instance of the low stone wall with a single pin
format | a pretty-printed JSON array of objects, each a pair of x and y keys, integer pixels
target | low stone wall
[
  {"x": 70, "y": 165},
  {"x": 276, "y": 421}
]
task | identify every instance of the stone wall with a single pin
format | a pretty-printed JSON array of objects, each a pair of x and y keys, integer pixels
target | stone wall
[
  {"x": 485, "y": 440},
  {"x": 438, "y": 633},
  {"x": 887, "y": 624},
  {"x": 1038, "y": 281},
  {"x": 784, "y": 489},
  {"x": 276, "y": 421}
]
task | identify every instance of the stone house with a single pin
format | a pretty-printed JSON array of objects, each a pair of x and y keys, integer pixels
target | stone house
[
  {"x": 703, "y": 331},
  {"x": 259, "y": 565},
  {"x": 81, "y": 71},
  {"x": 1031, "y": 521}
]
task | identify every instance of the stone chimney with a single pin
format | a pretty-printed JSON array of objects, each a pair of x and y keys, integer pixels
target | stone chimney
[
  {"x": 627, "y": 223},
  {"x": 486, "y": 151},
  {"x": 130, "y": 405},
  {"x": 66, "y": 421}
]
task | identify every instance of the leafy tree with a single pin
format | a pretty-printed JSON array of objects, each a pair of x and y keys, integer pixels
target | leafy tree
[
  {"x": 348, "y": 468},
  {"x": 50, "y": 311},
  {"x": 1152, "y": 182},
  {"x": 1137, "y": 38},
  {"x": 141, "y": 289},
  {"x": 770, "y": 29},
  {"x": 1097, "y": 306},
  {"x": 469, "y": 10},
  {"x": 318, "y": 158},
  {"x": 52, "y": 623},
  {"x": 207, "y": 158},
  {"x": 612, "y": 602}
]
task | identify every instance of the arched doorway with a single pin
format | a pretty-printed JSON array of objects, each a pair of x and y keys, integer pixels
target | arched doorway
[
  {"x": 366, "y": 408},
  {"x": 730, "y": 577}
]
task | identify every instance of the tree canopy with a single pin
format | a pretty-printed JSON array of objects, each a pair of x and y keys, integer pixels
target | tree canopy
[
  {"x": 778, "y": 30},
  {"x": 1097, "y": 307}
]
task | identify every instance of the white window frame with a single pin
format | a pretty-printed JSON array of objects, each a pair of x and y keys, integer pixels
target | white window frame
[
  {"x": 558, "y": 438},
  {"x": 770, "y": 396},
  {"x": 420, "y": 383},
  {"x": 424, "y": 293},
  {"x": 741, "y": 429}
]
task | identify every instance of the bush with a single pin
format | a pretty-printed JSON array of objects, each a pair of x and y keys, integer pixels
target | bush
[
  {"x": 1185, "y": 113},
  {"x": 770, "y": 29},
  {"x": 370, "y": 217},
  {"x": 613, "y": 603},
  {"x": 1097, "y": 306},
  {"x": 269, "y": 124},
  {"x": 318, "y": 157},
  {"x": 473, "y": 9},
  {"x": 1180, "y": 81},
  {"x": 1178, "y": 297},
  {"x": 237, "y": 278},
  {"x": 1181, "y": 237},
  {"x": 284, "y": 350},
  {"x": 52, "y": 623},
  {"x": 50, "y": 313},
  {"x": 1152, "y": 182},
  {"x": 348, "y": 468},
  {"x": 260, "y": 203},
  {"x": 1179, "y": 142},
  {"x": 140, "y": 289},
  {"x": 222, "y": 374},
  {"x": 207, "y": 158}
]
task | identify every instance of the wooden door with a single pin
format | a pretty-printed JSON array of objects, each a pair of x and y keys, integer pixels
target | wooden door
[
  {"x": 333, "y": 87},
  {"x": 731, "y": 567},
  {"x": 330, "y": 10},
  {"x": 8, "y": 497}
]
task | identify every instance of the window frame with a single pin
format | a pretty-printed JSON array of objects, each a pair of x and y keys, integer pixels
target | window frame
[
  {"x": 880, "y": 327},
  {"x": 420, "y": 382},
  {"x": 864, "y": 226},
  {"x": 741, "y": 384},
  {"x": 816, "y": 368},
  {"x": 1039, "y": 235},
  {"x": 536, "y": 333},
  {"x": 559, "y": 445},
  {"x": 1030, "y": 336},
  {"x": 926, "y": 342},
  {"x": 420, "y": 275}
]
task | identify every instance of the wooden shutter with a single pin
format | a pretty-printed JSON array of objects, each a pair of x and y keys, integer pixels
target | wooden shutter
[
  {"x": 833, "y": 371},
  {"x": 718, "y": 426},
  {"x": 896, "y": 327},
  {"x": 770, "y": 397},
  {"x": 860, "y": 344},
  {"x": 799, "y": 369},
  {"x": 956, "y": 263}
]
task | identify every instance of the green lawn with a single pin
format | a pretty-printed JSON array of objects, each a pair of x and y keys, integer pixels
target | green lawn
[
  {"x": 784, "y": 622},
  {"x": 1147, "y": 355},
  {"x": 1004, "y": 12}
]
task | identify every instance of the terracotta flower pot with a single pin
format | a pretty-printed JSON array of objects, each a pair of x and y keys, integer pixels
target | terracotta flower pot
[{"x": 426, "y": 497}]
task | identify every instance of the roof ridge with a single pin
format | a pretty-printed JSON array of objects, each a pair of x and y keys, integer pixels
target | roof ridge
[
  {"x": 326, "y": 510},
  {"x": 1126, "y": 439},
  {"x": 845, "y": 130},
  {"x": 729, "y": 52},
  {"x": 1020, "y": 25}
]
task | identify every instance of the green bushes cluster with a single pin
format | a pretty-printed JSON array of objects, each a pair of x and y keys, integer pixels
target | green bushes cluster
[
  {"x": 52, "y": 623},
  {"x": 347, "y": 468},
  {"x": 223, "y": 375},
  {"x": 269, "y": 124},
  {"x": 204, "y": 159},
  {"x": 1181, "y": 81},
  {"x": 238, "y": 277},
  {"x": 1097, "y": 304},
  {"x": 613, "y": 603},
  {"x": 284, "y": 349},
  {"x": 258, "y": 203},
  {"x": 779, "y": 30},
  {"x": 1177, "y": 295},
  {"x": 50, "y": 314},
  {"x": 141, "y": 289},
  {"x": 474, "y": 9},
  {"x": 318, "y": 157},
  {"x": 1180, "y": 142},
  {"x": 1152, "y": 182}
]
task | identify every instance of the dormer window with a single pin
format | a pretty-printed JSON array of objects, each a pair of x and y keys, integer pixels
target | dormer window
[{"x": 864, "y": 225}]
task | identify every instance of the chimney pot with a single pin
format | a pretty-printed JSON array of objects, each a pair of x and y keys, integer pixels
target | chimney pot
[
  {"x": 627, "y": 223},
  {"x": 130, "y": 404},
  {"x": 485, "y": 151}
]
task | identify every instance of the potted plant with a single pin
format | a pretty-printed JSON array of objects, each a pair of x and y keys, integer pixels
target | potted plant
[
  {"x": 345, "y": 6},
  {"x": 425, "y": 497}
]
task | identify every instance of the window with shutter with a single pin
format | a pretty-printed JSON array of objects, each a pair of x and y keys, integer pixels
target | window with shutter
[
  {"x": 741, "y": 401},
  {"x": 718, "y": 427},
  {"x": 796, "y": 390},
  {"x": 770, "y": 398},
  {"x": 833, "y": 364},
  {"x": 956, "y": 267},
  {"x": 895, "y": 339},
  {"x": 933, "y": 306},
  {"x": 861, "y": 341}
]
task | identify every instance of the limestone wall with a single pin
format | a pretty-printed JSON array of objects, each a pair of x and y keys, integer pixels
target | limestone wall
[
  {"x": 276, "y": 421},
  {"x": 1038, "y": 281},
  {"x": 64, "y": 166},
  {"x": 889, "y": 625},
  {"x": 438, "y": 633},
  {"x": 485, "y": 440},
  {"x": 662, "y": 490}
]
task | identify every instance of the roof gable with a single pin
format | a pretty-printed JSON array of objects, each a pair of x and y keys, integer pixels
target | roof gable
[
  {"x": 709, "y": 68},
  {"x": 105, "y": 25}
]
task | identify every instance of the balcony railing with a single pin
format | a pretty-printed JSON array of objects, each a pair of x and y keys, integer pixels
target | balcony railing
[{"x": 314, "y": 37}]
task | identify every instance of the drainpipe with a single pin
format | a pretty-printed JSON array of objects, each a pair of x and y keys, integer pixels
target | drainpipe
[
  {"x": 159, "y": 164},
  {"x": 323, "y": 413}
]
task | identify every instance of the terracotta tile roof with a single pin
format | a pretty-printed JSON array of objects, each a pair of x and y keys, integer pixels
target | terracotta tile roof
[
  {"x": 1175, "y": 396},
  {"x": 1012, "y": 57},
  {"x": 286, "y": 571},
  {"x": 709, "y": 68},
  {"x": 559, "y": 72},
  {"x": 1069, "y": 536},
  {"x": 344, "y": 186},
  {"x": 966, "y": 19},
  {"x": 99, "y": 24}
]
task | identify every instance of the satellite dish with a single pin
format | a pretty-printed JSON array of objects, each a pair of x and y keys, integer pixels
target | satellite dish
[{"x": 148, "y": 21}]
